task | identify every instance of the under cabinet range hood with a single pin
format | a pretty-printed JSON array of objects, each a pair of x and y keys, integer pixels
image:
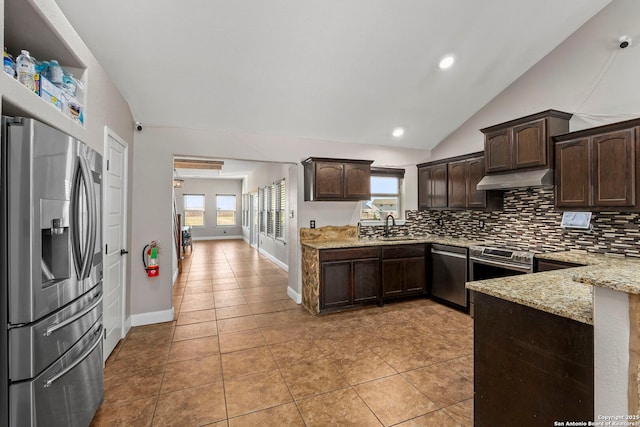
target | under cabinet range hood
[{"x": 507, "y": 181}]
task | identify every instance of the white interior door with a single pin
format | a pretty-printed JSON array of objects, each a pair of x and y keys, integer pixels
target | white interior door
[{"x": 115, "y": 238}]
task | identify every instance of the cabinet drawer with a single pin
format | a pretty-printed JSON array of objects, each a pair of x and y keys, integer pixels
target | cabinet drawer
[
  {"x": 404, "y": 251},
  {"x": 348, "y": 253}
]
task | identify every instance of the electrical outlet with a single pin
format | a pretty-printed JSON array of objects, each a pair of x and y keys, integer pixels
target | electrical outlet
[
  {"x": 440, "y": 222},
  {"x": 312, "y": 223},
  {"x": 291, "y": 213},
  {"x": 481, "y": 224}
]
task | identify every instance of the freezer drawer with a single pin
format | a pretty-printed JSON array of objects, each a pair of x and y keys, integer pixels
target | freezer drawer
[
  {"x": 68, "y": 393},
  {"x": 35, "y": 346}
]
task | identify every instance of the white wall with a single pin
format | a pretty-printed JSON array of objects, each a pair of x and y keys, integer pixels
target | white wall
[
  {"x": 587, "y": 75},
  {"x": 210, "y": 188},
  {"x": 265, "y": 175},
  {"x": 154, "y": 151}
]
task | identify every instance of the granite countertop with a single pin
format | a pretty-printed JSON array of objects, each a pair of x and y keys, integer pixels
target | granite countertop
[
  {"x": 568, "y": 292},
  {"x": 553, "y": 291},
  {"x": 396, "y": 240}
]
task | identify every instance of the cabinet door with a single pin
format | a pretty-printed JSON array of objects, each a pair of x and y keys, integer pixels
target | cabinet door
[
  {"x": 329, "y": 181},
  {"x": 458, "y": 184},
  {"x": 357, "y": 181},
  {"x": 366, "y": 285},
  {"x": 475, "y": 172},
  {"x": 439, "y": 186},
  {"x": 614, "y": 168},
  {"x": 415, "y": 275},
  {"x": 573, "y": 173},
  {"x": 392, "y": 277},
  {"x": 497, "y": 150},
  {"x": 424, "y": 188},
  {"x": 529, "y": 144},
  {"x": 336, "y": 284}
]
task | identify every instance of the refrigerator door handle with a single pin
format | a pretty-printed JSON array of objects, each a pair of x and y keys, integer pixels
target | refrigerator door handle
[
  {"x": 93, "y": 217},
  {"x": 76, "y": 244},
  {"x": 76, "y": 362},
  {"x": 84, "y": 260}
]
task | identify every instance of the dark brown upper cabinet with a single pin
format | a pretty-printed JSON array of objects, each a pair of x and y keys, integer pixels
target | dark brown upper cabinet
[
  {"x": 598, "y": 167},
  {"x": 451, "y": 183},
  {"x": 336, "y": 179},
  {"x": 524, "y": 143},
  {"x": 464, "y": 176},
  {"x": 432, "y": 186}
]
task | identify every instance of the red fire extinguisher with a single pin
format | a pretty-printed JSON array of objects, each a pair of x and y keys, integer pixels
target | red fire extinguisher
[{"x": 150, "y": 259}]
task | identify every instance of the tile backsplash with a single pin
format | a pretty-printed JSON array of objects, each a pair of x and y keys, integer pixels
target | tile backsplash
[{"x": 528, "y": 219}]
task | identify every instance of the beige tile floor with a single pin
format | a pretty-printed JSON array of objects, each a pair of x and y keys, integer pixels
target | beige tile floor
[{"x": 241, "y": 353}]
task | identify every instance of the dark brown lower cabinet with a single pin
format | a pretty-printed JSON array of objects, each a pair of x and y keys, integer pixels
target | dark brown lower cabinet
[
  {"x": 404, "y": 270},
  {"x": 531, "y": 368},
  {"x": 349, "y": 277}
]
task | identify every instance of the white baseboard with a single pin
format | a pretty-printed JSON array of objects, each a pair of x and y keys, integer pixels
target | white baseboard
[
  {"x": 294, "y": 295},
  {"x": 152, "y": 317},
  {"x": 126, "y": 327},
  {"x": 175, "y": 276},
  {"x": 275, "y": 260}
]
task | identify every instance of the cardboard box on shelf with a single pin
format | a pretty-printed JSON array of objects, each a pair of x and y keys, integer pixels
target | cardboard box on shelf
[
  {"x": 73, "y": 108},
  {"x": 50, "y": 92}
]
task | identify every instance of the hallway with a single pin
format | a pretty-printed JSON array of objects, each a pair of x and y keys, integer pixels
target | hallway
[{"x": 242, "y": 353}]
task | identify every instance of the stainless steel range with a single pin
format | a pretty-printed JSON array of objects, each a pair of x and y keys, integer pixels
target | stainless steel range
[{"x": 488, "y": 262}]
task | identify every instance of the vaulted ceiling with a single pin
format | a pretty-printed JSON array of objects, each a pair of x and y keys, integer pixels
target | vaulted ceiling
[{"x": 341, "y": 70}]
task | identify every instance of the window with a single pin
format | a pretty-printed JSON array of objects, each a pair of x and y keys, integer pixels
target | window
[
  {"x": 273, "y": 203},
  {"x": 385, "y": 194},
  {"x": 262, "y": 202},
  {"x": 280, "y": 207},
  {"x": 194, "y": 210},
  {"x": 246, "y": 200},
  {"x": 225, "y": 209}
]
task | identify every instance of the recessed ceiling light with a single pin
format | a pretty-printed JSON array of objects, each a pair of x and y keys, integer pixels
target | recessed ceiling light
[
  {"x": 397, "y": 132},
  {"x": 446, "y": 62}
]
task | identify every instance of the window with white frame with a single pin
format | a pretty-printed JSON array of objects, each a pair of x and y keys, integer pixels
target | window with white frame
[
  {"x": 246, "y": 200},
  {"x": 273, "y": 202},
  {"x": 193, "y": 210},
  {"x": 386, "y": 197},
  {"x": 262, "y": 203},
  {"x": 280, "y": 209},
  {"x": 225, "y": 209}
]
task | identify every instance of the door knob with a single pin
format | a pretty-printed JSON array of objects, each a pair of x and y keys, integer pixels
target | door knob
[{"x": 123, "y": 252}]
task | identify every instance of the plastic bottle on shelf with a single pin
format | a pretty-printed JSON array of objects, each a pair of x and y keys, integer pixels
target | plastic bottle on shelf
[
  {"x": 9, "y": 64},
  {"x": 55, "y": 73},
  {"x": 69, "y": 83},
  {"x": 26, "y": 70},
  {"x": 42, "y": 68}
]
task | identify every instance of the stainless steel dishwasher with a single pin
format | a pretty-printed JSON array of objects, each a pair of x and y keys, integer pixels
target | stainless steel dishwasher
[{"x": 449, "y": 275}]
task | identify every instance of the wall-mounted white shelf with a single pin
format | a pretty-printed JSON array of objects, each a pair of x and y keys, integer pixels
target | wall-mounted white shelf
[{"x": 26, "y": 27}]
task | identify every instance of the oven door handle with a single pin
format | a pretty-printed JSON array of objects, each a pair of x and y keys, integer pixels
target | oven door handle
[
  {"x": 501, "y": 264},
  {"x": 51, "y": 329},
  {"x": 76, "y": 362}
]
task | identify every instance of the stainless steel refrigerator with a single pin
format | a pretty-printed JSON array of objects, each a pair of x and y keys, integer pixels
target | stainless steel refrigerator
[{"x": 51, "y": 368}]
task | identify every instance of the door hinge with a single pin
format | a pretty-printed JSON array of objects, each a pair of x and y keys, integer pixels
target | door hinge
[
  {"x": 107, "y": 164},
  {"x": 106, "y": 249},
  {"x": 104, "y": 334}
]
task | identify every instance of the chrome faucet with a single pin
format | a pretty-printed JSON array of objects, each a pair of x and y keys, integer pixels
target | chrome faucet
[{"x": 386, "y": 224}]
